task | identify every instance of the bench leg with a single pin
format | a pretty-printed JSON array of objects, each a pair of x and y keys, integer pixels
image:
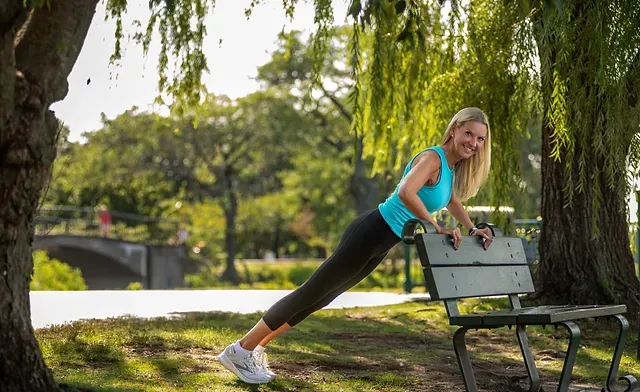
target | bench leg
[
  {"x": 572, "y": 351},
  {"x": 632, "y": 383},
  {"x": 463, "y": 360},
  {"x": 530, "y": 363}
]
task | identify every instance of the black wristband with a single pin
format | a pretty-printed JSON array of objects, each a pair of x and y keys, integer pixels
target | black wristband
[{"x": 471, "y": 230}]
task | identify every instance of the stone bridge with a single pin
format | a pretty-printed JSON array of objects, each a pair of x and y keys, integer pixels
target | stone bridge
[{"x": 113, "y": 264}]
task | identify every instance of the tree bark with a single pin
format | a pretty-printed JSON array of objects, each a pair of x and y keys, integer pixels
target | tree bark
[
  {"x": 230, "y": 206},
  {"x": 38, "y": 48},
  {"x": 575, "y": 267}
]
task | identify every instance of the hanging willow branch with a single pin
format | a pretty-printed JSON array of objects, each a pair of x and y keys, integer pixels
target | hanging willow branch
[{"x": 415, "y": 63}]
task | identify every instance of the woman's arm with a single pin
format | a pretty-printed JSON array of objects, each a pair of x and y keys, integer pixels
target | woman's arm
[
  {"x": 457, "y": 210},
  {"x": 426, "y": 168}
]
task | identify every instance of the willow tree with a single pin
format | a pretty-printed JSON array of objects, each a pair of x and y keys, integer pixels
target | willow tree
[
  {"x": 576, "y": 63},
  {"x": 590, "y": 81}
]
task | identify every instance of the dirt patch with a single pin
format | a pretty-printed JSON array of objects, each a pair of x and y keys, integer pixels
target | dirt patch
[
  {"x": 443, "y": 377},
  {"x": 382, "y": 340},
  {"x": 441, "y": 374}
]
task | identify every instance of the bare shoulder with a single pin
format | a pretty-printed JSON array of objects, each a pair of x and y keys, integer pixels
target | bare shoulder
[
  {"x": 428, "y": 165},
  {"x": 428, "y": 158}
]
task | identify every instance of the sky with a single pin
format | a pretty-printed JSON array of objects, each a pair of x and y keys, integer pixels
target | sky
[{"x": 234, "y": 47}]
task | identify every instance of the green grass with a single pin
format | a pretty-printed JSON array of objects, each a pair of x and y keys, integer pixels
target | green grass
[{"x": 396, "y": 348}]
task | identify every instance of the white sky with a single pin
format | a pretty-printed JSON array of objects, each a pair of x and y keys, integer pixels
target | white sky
[{"x": 246, "y": 44}]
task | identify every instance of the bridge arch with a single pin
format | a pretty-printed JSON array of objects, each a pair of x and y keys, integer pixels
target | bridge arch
[{"x": 113, "y": 264}]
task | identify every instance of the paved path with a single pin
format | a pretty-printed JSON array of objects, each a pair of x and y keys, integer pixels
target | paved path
[{"x": 58, "y": 307}]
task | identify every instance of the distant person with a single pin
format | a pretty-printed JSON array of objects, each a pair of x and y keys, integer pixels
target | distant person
[
  {"x": 428, "y": 184},
  {"x": 181, "y": 235},
  {"x": 104, "y": 220}
]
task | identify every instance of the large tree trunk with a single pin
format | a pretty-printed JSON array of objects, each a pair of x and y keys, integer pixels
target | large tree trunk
[
  {"x": 37, "y": 51},
  {"x": 230, "y": 206},
  {"x": 576, "y": 267},
  {"x": 34, "y": 65}
]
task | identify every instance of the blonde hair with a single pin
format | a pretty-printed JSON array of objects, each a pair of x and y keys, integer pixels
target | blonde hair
[{"x": 473, "y": 172}]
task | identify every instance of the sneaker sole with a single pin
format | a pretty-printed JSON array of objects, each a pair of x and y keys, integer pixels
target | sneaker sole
[{"x": 226, "y": 362}]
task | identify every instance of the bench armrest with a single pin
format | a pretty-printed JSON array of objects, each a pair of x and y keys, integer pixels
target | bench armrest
[{"x": 409, "y": 230}]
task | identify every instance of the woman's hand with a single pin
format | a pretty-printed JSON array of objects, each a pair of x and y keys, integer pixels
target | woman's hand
[
  {"x": 486, "y": 234},
  {"x": 453, "y": 233}
]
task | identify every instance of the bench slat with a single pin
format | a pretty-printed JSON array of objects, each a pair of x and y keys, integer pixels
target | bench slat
[
  {"x": 437, "y": 249},
  {"x": 477, "y": 281},
  {"x": 537, "y": 315}
]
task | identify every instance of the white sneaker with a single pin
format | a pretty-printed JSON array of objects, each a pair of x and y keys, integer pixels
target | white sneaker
[
  {"x": 243, "y": 366},
  {"x": 261, "y": 361}
]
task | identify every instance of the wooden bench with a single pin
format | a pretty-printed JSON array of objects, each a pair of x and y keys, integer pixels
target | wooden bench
[{"x": 472, "y": 271}]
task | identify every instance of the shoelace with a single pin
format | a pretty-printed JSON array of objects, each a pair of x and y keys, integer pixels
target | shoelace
[
  {"x": 249, "y": 361},
  {"x": 261, "y": 359}
]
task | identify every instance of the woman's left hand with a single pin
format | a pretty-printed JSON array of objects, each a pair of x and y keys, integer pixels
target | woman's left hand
[{"x": 486, "y": 234}]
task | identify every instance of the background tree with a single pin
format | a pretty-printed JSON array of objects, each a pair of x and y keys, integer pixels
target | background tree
[
  {"x": 575, "y": 63},
  {"x": 323, "y": 92}
]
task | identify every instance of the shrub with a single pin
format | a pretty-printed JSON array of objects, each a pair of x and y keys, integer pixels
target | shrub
[
  {"x": 135, "y": 286},
  {"x": 52, "y": 274}
]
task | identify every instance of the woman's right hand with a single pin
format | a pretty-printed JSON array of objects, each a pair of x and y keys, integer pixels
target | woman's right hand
[{"x": 454, "y": 233}]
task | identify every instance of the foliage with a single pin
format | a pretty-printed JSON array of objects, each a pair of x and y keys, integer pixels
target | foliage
[
  {"x": 594, "y": 107},
  {"x": 52, "y": 274},
  {"x": 134, "y": 286}
]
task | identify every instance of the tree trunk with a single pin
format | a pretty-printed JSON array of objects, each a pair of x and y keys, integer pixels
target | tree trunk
[
  {"x": 364, "y": 189},
  {"x": 276, "y": 238},
  {"x": 38, "y": 48},
  {"x": 230, "y": 206},
  {"x": 575, "y": 267}
]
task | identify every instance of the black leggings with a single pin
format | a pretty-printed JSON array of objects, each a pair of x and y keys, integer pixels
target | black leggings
[{"x": 364, "y": 244}]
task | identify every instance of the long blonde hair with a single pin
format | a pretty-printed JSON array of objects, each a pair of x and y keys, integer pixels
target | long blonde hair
[{"x": 470, "y": 173}]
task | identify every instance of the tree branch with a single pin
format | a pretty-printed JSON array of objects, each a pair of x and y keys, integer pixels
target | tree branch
[
  {"x": 345, "y": 113},
  {"x": 324, "y": 123},
  {"x": 49, "y": 43}
]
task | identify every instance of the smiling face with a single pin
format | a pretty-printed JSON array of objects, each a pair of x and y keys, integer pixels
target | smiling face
[{"x": 468, "y": 138}]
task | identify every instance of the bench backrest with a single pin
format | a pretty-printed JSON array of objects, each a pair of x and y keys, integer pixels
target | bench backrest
[{"x": 472, "y": 271}]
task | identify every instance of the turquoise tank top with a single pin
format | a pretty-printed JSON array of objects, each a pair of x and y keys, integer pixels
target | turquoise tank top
[{"x": 435, "y": 197}]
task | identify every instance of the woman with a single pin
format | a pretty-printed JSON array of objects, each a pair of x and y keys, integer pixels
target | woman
[{"x": 428, "y": 184}]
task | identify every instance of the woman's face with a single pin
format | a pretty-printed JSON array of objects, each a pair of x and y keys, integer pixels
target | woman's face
[{"x": 469, "y": 138}]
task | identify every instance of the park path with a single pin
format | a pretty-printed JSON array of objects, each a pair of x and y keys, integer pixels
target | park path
[{"x": 59, "y": 307}]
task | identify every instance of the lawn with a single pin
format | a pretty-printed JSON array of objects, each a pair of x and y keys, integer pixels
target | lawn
[{"x": 393, "y": 348}]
